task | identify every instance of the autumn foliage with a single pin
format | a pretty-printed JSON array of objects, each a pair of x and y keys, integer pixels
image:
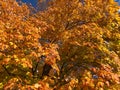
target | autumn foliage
[{"x": 72, "y": 45}]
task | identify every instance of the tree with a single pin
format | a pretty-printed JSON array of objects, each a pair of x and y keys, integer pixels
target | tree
[
  {"x": 20, "y": 49},
  {"x": 88, "y": 37},
  {"x": 68, "y": 46}
]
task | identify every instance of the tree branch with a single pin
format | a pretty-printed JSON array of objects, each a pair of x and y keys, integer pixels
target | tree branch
[
  {"x": 74, "y": 24},
  {"x": 6, "y": 70}
]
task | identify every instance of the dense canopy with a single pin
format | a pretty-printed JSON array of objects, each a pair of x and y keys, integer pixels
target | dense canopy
[{"x": 72, "y": 45}]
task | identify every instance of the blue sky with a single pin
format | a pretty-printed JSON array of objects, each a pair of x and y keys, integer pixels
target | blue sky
[
  {"x": 33, "y": 2},
  {"x": 117, "y": 1}
]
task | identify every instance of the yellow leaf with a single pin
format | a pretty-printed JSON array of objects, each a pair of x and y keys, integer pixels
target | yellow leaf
[
  {"x": 15, "y": 46},
  {"x": 11, "y": 43},
  {"x": 1, "y": 85},
  {"x": 54, "y": 66},
  {"x": 23, "y": 59}
]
